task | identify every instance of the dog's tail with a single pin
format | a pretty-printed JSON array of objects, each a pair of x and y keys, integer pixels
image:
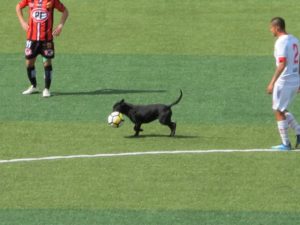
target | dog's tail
[{"x": 178, "y": 100}]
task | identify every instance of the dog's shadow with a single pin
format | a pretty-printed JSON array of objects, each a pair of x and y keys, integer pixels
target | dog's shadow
[
  {"x": 107, "y": 91},
  {"x": 161, "y": 136}
]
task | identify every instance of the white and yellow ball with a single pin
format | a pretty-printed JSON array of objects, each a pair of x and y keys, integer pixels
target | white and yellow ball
[{"x": 115, "y": 119}]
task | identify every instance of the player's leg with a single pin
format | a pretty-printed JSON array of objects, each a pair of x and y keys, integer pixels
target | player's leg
[
  {"x": 31, "y": 73},
  {"x": 283, "y": 126},
  {"x": 48, "y": 76},
  {"x": 30, "y": 55},
  {"x": 292, "y": 122},
  {"x": 48, "y": 54},
  {"x": 282, "y": 96}
]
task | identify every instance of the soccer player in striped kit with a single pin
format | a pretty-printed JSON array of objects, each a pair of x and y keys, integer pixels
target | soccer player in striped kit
[
  {"x": 39, "y": 29},
  {"x": 285, "y": 81}
]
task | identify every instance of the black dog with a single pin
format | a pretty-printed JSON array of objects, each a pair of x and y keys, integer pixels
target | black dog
[{"x": 140, "y": 114}]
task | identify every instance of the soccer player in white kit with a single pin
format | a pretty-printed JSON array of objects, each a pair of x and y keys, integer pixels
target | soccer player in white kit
[{"x": 285, "y": 81}]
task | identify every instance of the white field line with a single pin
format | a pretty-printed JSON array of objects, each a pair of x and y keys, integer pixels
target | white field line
[{"x": 105, "y": 155}]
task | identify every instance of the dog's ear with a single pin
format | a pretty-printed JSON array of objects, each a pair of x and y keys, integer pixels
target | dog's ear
[{"x": 122, "y": 101}]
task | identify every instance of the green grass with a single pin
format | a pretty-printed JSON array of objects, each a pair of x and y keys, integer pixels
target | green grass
[
  {"x": 218, "y": 52},
  {"x": 133, "y": 217},
  {"x": 90, "y": 138},
  {"x": 204, "y": 27},
  {"x": 151, "y": 181},
  {"x": 213, "y": 91},
  {"x": 140, "y": 190}
]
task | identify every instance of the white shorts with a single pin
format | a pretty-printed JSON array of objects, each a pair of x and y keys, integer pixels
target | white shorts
[{"x": 283, "y": 95}]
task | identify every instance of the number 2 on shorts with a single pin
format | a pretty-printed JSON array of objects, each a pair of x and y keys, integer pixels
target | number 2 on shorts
[{"x": 296, "y": 56}]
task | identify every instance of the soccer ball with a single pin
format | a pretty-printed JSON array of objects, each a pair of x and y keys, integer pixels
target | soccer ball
[{"x": 115, "y": 119}]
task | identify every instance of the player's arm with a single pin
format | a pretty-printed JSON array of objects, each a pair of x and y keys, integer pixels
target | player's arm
[
  {"x": 278, "y": 71},
  {"x": 22, "y": 21},
  {"x": 63, "y": 19},
  {"x": 299, "y": 75}
]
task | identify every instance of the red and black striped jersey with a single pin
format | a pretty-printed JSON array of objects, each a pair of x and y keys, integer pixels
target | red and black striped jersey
[{"x": 40, "y": 18}]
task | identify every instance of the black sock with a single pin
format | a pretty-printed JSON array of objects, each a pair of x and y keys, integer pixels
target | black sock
[
  {"x": 31, "y": 75},
  {"x": 48, "y": 76}
]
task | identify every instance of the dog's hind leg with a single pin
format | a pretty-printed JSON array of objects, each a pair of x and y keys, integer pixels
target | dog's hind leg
[
  {"x": 166, "y": 120},
  {"x": 172, "y": 126}
]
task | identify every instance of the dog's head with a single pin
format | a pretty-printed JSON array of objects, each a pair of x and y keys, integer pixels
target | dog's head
[{"x": 120, "y": 106}]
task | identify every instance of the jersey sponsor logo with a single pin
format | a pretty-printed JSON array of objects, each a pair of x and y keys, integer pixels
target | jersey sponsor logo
[{"x": 39, "y": 15}]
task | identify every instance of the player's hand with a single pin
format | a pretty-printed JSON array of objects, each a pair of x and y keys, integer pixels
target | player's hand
[
  {"x": 270, "y": 88},
  {"x": 57, "y": 30}
]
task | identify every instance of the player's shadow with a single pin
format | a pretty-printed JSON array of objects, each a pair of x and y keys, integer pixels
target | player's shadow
[{"x": 106, "y": 92}]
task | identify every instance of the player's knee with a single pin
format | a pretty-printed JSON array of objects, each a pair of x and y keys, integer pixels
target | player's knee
[
  {"x": 280, "y": 115},
  {"x": 47, "y": 62},
  {"x": 48, "y": 67},
  {"x": 30, "y": 63},
  {"x": 30, "y": 67}
]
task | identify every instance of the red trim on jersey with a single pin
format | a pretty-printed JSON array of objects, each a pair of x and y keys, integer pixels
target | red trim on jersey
[
  {"x": 40, "y": 19},
  {"x": 281, "y": 59}
]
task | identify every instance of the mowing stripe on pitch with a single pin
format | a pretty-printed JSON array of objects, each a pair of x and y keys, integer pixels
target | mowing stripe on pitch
[{"x": 105, "y": 155}]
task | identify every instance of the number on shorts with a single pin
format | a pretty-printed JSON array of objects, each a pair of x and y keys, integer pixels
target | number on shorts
[
  {"x": 296, "y": 51},
  {"x": 28, "y": 44}
]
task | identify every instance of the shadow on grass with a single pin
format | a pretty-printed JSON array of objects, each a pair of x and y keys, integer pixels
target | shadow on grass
[
  {"x": 106, "y": 92},
  {"x": 162, "y": 136}
]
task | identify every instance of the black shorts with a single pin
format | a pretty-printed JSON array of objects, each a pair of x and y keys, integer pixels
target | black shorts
[{"x": 45, "y": 48}]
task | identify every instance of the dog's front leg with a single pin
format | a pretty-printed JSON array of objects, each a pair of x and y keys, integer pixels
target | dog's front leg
[{"x": 137, "y": 129}]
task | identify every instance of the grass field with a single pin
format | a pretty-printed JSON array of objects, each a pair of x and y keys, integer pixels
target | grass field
[{"x": 218, "y": 52}]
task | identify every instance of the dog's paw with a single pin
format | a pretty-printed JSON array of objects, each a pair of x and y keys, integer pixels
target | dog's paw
[{"x": 172, "y": 134}]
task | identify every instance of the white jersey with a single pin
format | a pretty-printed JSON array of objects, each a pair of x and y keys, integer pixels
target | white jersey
[{"x": 287, "y": 46}]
